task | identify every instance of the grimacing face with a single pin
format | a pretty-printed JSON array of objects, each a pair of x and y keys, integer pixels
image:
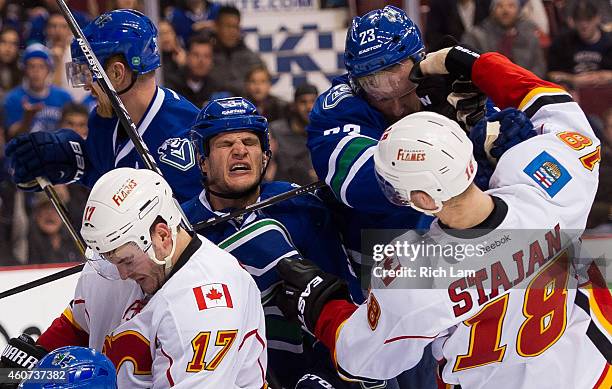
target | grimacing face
[
  {"x": 391, "y": 92},
  {"x": 133, "y": 263},
  {"x": 235, "y": 162}
]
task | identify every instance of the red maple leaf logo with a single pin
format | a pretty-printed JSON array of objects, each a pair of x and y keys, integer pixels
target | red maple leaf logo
[{"x": 214, "y": 294}]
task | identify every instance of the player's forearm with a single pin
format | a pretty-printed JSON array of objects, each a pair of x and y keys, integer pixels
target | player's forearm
[
  {"x": 333, "y": 315},
  {"x": 505, "y": 82}
]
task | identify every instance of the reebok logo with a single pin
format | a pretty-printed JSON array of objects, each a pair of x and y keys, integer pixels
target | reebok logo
[{"x": 497, "y": 243}]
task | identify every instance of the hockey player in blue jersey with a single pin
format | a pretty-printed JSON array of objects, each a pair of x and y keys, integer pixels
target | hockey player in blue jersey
[
  {"x": 232, "y": 144},
  {"x": 125, "y": 43},
  {"x": 349, "y": 118}
]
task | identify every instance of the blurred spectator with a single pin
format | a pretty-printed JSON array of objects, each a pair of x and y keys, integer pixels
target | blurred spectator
[
  {"x": 454, "y": 18},
  {"x": 7, "y": 204},
  {"x": 193, "y": 81},
  {"x": 604, "y": 8},
  {"x": 12, "y": 15},
  {"x": 173, "y": 55},
  {"x": 10, "y": 73},
  {"x": 232, "y": 58},
  {"x": 75, "y": 116},
  {"x": 257, "y": 85},
  {"x": 39, "y": 17},
  {"x": 193, "y": 16},
  {"x": 557, "y": 20},
  {"x": 534, "y": 11},
  {"x": 58, "y": 39},
  {"x": 7, "y": 200},
  {"x": 36, "y": 105},
  {"x": 503, "y": 31},
  {"x": 48, "y": 241},
  {"x": 583, "y": 55},
  {"x": 292, "y": 156},
  {"x": 600, "y": 217},
  {"x": 595, "y": 121}
]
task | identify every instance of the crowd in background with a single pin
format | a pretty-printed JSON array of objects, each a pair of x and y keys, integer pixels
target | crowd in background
[{"x": 204, "y": 57}]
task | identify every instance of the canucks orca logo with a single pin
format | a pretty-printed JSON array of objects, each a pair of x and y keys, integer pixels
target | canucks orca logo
[
  {"x": 178, "y": 153},
  {"x": 336, "y": 95},
  {"x": 102, "y": 20}
]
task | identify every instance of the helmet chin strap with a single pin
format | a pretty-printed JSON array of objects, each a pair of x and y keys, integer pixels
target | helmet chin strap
[
  {"x": 429, "y": 212},
  {"x": 167, "y": 261},
  {"x": 124, "y": 90}
]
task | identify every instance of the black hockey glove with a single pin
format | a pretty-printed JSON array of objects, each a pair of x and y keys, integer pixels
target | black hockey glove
[
  {"x": 457, "y": 99},
  {"x": 306, "y": 289},
  {"x": 432, "y": 91},
  {"x": 22, "y": 352}
]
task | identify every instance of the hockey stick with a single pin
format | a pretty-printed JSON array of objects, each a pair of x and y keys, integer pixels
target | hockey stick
[
  {"x": 62, "y": 212},
  {"x": 199, "y": 226},
  {"x": 260, "y": 205},
  {"x": 102, "y": 79}
]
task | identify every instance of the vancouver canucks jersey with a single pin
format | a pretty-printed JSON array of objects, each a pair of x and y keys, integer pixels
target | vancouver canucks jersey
[
  {"x": 300, "y": 226},
  {"x": 342, "y": 132},
  {"x": 164, "y": 128}
]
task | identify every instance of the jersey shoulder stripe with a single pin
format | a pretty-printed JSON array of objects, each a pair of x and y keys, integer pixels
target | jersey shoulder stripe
[
  {"x": 346, "y": 153},
  {"x": 594, "y": 333},
  {"x": 539, "y": 97}
]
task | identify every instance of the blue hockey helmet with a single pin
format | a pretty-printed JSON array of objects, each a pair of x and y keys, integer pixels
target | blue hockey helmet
[
  {"x": 380, "y": 39},
  {"x": 227, "y": 115},
  {"x": 77, "y": 367},
  {"x": 122, "y": 31}
]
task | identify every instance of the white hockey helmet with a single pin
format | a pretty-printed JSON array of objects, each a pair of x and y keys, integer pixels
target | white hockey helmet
[
  {"x": 427, "y": 152},
  {"x": 122, "y": 206}
]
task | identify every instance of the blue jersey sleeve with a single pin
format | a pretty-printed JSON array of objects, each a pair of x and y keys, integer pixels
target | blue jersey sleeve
[
  {"x": 13, "y": 110},
  {"x": 342, "y": 132}
]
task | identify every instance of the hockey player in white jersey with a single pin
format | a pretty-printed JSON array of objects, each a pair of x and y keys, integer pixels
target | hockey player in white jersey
[
  {"x": 530, "y": 315},
  {"x": 200, "y": 322}
]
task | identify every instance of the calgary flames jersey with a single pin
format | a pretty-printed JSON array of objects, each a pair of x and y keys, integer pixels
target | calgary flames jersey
[
  {"x": 528, "y": 313},
  {"x": 203, "y": 327}
]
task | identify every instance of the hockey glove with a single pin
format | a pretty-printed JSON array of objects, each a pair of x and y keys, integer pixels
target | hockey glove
[
  {"x": 57, "y": 156},
  {"x": 499, "y": 132},
  {"x": 432, "y": 92},
  {"x": 306, "y": 289},
  {"x": 467, "y": 101},
  {"x": 22, "y": 352},
  {"x": 456, "y": 61}
]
